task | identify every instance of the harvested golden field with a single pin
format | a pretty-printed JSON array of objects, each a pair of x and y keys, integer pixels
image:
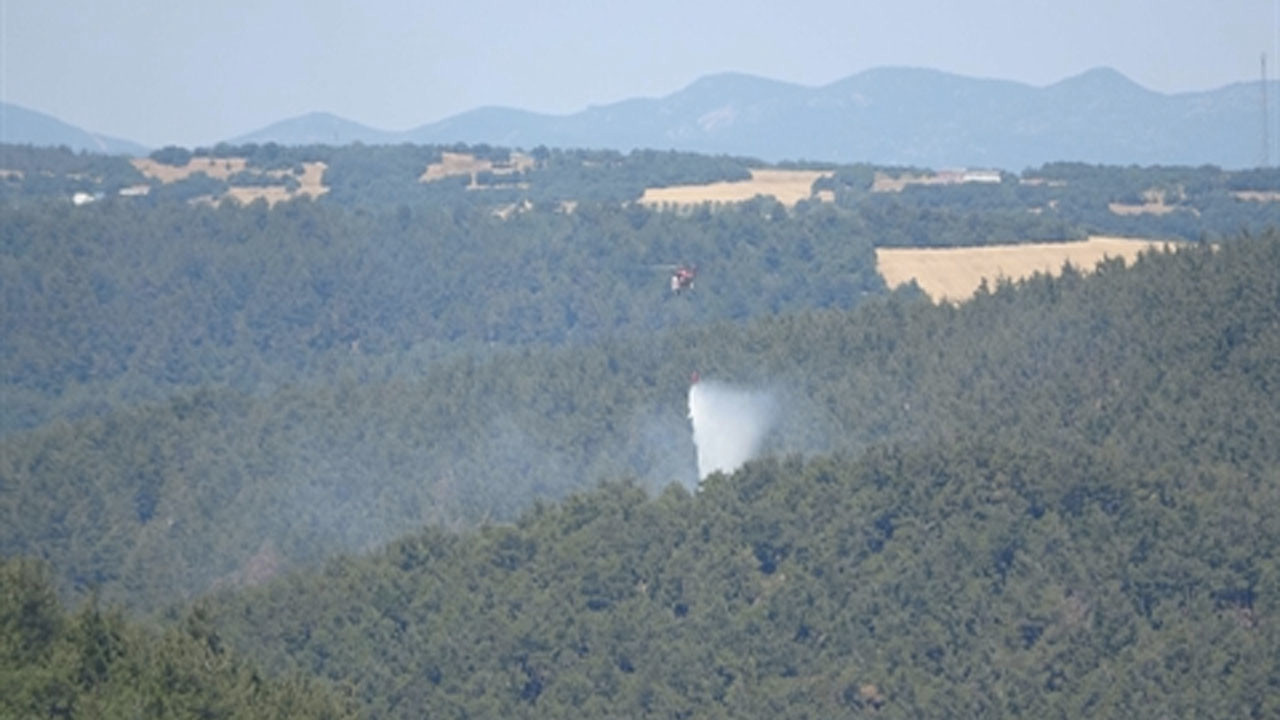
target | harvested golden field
[
  {"x": 884, "y": 182},
  {"x": 1153, "y": 208},
  {"x": 786, "y": 186},
  {"x": 271, "y": 193},
  {"x": 310, "y": 182},
  {"x": 954, "y": 274},
  {"x": 1154, "y": 202},
  {"x": 221, "y": 168},
  {"x": 1257, "y": 196},
  {"x": 467, "y": 164}
]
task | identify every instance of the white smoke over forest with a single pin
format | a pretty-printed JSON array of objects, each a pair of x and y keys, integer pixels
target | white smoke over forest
[{"x": 728, "y": 425}]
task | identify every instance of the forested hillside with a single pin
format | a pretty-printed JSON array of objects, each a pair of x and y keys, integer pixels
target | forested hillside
[
  {"x": 219, "y": 486},
  {"x": 1065, "y": 516},
  {"x": 120, "y": 302},
  {"x": 1048, "y": 500},
  {"x": 95, "y": 663},
  {"x": 955, "y": 580},
  {"x": 127, "y": 299}
]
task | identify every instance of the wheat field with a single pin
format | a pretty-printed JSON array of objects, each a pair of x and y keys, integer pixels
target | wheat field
[
  {"x": 310, "y": 182},
  {"x": 787, "y": 186},
  {"x": 954, "y": 274}
]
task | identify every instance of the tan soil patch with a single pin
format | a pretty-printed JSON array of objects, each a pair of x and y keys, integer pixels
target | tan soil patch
[
  {"x": 310, "y": 184},
  {"x": 506, "y": 211},
  {"x": 1156, "y": 208},
  {"x": 1257, "y": 196},
  {"x": 1154, "y": 202},
  {"x": 272, "y": 194},
  {"x": 786, "y": 186},
  {"x": 452, "y": 164},
  {"x": 884, "y": 182},
  {"x": 954, "y": 274},
  {"x": 221, "y": 168}
]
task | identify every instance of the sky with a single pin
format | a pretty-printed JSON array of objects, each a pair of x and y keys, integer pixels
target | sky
[{"x": 189, "y": 73}]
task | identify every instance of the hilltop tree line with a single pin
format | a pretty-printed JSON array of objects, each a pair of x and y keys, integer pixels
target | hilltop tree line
[
  {"x": 969, "y": 578},
  {"x": 1061, "y": 201},
  {"x": 1048, "y": 501},
  {"x": 97, "y": 663},
  {"x": 128, "y": 298},
  {"x": 118, "y": 302},
  {"x": 1163, "y": 364},
  {"x": 1059, "y": 510},
  {"x": 1054, "y": 202}
]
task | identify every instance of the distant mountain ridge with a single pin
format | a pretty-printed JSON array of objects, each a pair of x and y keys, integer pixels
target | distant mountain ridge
[
  {"x": 316, "y": 128},
  {"x": 891, "y": 115},
  {"x": 21, "y": 126}
]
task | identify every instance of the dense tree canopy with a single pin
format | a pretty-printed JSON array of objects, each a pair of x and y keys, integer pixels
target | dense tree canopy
[
  {"x": 96, "y": 664},
  {"x": 1049, "y": 500},
  {"x": 1138, "y": 360},
  {"x": 120, "y": 299}
]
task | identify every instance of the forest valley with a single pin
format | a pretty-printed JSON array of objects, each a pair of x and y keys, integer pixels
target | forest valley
[{"x": 420, "y": 446}]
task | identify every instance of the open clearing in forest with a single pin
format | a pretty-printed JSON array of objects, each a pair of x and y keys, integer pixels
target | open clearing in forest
[
  {"x": 786, "y": 186},
  {"x": 220, "y": 168},
  {"x": 1154, "y": 202},
  {"x": 954, "y": 274},
  {"x": 1257, "y": 196},
  {"x": 310, "y": 182},
  {"x": 452, "y": 163}
]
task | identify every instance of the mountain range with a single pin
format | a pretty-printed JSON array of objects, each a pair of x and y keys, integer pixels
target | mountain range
[
  {"x": 28, "y": 127},
  {"x": 896, "y": 116}
]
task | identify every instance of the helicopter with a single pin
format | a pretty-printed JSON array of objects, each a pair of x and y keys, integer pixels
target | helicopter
[{"x": 682, "y": 278}]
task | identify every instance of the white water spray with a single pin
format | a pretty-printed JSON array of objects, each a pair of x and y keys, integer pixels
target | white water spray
[{"x": 728, "y": 425}]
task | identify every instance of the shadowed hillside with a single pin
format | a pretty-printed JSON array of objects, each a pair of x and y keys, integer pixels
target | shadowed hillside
[{"x": 1071, "y": 521}]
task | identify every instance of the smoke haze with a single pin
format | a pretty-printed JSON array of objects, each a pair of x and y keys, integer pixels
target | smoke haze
[{"x": 728, "y": 425}]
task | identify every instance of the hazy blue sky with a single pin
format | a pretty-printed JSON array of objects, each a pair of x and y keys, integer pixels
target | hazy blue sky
[{"x": 192, "y": 73}]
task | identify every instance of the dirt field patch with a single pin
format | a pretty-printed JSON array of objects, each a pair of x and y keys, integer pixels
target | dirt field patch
[
  {"x": 1154, "y": 202},
  {"x": 220, "y": 168},
  {"x": 310, "y": 182},
  {"x": 884, "y": 182},
  {"x": 786, "y": 186},
  {"x": 1257, "y": 196},
  {"x": 271, "y": 193},
  {"x": 953, "y": 274},
  {"x": 452, "y": 164}
]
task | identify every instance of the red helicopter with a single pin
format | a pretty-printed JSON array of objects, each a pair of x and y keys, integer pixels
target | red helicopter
[{"x": 682, "y": 278}]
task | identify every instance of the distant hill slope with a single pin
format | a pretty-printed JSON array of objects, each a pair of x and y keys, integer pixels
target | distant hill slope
[
  {"x": 1068, "y": 520},
  {"x": 891, "y": 116},
  {"x": 318, "y": 128},
  {"x": 906, "y": 116},
  {"x": 1167, "y": 363},
  {"x": 896, "y": 116},
  {"x": 20, "y": 126}
]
